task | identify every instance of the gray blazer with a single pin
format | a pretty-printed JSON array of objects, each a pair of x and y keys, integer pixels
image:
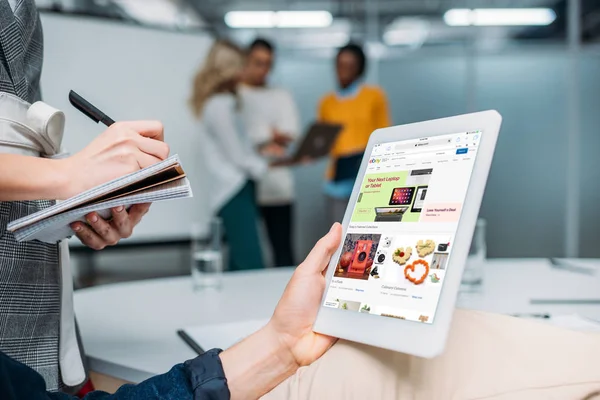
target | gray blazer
[{"x": 32, "y": 291}]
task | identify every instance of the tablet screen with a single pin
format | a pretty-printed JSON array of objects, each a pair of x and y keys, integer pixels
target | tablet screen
[{"x": 399, "y": 240}]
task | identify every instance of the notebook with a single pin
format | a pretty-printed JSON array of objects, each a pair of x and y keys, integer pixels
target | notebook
[{"x": 165, "y": 180}]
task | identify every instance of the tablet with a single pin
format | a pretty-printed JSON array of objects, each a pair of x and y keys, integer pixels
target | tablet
[
  {"x": 394, "y": 281},
  {"x": 402, "y": 196}
]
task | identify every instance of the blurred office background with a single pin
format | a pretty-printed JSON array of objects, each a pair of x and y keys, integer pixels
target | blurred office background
[{"x": 538, "y": 64}]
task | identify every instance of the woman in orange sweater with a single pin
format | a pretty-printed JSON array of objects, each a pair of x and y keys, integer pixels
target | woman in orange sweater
[{"x": 361, "y": 109}]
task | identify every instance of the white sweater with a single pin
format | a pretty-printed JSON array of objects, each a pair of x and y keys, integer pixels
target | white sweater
[
  {"x": 265, "y": 109},
  {"x": 228, "y": 158}
]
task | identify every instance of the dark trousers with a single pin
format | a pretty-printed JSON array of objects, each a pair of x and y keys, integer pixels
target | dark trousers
[
  {"x": 240, "y": 220},
  {"x": 278, "y": 220}
]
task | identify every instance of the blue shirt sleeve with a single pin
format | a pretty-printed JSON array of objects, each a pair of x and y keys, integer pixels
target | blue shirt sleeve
[{"x": 198, "y": 379}]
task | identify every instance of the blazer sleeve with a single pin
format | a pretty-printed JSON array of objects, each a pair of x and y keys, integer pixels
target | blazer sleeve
[{"x": 198, "y": 379}]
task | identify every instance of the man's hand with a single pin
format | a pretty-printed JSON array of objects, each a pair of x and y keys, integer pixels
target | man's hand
[
  {"x": 297, "y": 310},
  {"x": 263, "y": 360},
  {"x": 101, "y": 233},
  {"x": 281, "y": 138},
  {"x": 272, "y": 150},
  {"x": 123, "y": 148}
]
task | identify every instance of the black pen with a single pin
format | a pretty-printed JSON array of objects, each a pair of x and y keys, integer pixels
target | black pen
[
  {"x": 88, "y": 109},
  {"x": 565, "y": 301},
  {"x": 190, "y": 342},
  {"x": 543, "y": 316}
]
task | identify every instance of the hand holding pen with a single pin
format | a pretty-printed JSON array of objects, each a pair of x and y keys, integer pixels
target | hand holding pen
[{"x": 123, "y": 148}]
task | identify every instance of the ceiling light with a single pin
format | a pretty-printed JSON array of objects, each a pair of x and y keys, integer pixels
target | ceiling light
[
  {"x": 303, "y": 19},
  {"x": 278, "y": 19},
  {"x": 499, "y": 17},
  {"x": 160, "y": 12},
  {"x": 410, "y": 32},
  {"x": 458, "y": 17},
  {"x": 250, "y": 19}
]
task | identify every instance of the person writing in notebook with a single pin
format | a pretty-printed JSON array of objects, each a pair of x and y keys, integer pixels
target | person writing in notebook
[
  {"x": 360, "y": 109},
  {"x": 37, "y": 325}
]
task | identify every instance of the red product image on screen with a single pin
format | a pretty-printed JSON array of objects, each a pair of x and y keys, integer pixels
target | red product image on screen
[
  {"x": 360, "y": 258},
  {"x": 402, "y": 196}
]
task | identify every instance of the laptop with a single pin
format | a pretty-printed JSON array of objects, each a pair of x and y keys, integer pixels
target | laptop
[{"x": 317, "y": 142}]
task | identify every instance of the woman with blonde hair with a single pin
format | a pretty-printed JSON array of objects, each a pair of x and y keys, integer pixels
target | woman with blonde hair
[{"x": 232, "y": 165}]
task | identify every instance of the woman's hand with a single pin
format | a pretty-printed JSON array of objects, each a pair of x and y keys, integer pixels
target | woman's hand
[
  {"x": 99, "y": 233},
  {"x": 297, "y": 310},
  {"x": 123, "y": 148}
]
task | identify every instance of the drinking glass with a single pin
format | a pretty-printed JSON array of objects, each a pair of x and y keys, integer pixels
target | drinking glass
[
  {"x": 207, "y": 257},
  {"x": 472, "y": 278}
]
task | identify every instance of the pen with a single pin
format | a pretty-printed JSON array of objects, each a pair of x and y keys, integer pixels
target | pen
[
  {"x": 567, "y": 266},
  {"x": 190, "y": 342},
  {"x": 88, "y": 109},
  {"x": 543, "y": 316},
  {"x": 565, "y": 301}
]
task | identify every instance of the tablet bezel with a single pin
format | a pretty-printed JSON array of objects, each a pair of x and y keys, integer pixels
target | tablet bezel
[{"x": 419, "y": 339}]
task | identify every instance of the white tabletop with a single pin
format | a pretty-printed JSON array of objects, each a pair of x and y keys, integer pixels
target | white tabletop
[{"x": 129, "y": 329}]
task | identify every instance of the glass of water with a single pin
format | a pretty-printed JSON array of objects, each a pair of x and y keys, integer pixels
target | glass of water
[
  {"x": 207, "y": 257},
  {"x": 473, "y": 273}
]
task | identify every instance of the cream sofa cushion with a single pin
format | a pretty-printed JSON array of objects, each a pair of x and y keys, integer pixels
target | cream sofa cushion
[{"x": 488, "y": 356}]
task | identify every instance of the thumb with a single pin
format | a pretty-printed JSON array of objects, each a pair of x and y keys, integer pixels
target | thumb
[
  {"x": 149, "y": 129},
  {"x": 319, "y": 257}
]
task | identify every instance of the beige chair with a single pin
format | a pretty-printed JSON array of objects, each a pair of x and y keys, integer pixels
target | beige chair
[{"x": 488, "y": 356}]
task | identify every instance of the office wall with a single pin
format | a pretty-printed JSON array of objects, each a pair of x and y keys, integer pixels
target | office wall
[
  {"x": 589, "y": 161},
  {"x": 525, "y": 198},
  {"x": 130, "y": 73}
]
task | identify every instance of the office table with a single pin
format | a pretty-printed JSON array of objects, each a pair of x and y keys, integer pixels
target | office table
[{"x": 129, "y": 329}]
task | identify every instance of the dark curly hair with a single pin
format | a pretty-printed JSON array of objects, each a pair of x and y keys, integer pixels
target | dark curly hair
[{"x": 357, "y": 51}]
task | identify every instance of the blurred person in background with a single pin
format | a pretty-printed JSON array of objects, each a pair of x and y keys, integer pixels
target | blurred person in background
[
  {"x": 360, "y": 109},
  {"x": 232, "y": 164},
  {"x": 272, "y": 120}
]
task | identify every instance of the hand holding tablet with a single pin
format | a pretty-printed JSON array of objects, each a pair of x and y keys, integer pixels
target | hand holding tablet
[{"x": 419, "y": 187}]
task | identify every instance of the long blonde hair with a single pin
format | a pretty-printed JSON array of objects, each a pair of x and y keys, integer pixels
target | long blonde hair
[{"x": 224, "y": 62}]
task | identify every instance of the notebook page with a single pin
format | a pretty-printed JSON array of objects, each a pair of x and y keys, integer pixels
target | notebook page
[
  {"x": 166, "y": 175},
  {"x": 95, "y": 192},
  {"x": 137, "y": 190},
  {"x": 56, "y": 228}
]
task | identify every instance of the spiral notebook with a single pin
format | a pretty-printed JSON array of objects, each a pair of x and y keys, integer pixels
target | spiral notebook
[{"x": 162, "y": 181}]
